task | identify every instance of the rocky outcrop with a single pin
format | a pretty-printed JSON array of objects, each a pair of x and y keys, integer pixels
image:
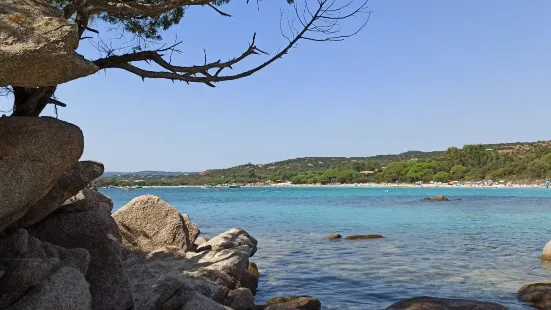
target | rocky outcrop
[
  {"x": 170, "y": 276},
  {"x": 30, "y": 167},
  {"x": 230, "y": 239},
  {"x": 86, "y": 222},
  {"x": 334, "y": 236},
  {"x": 164, "y": 227},
  {"x": 362, "y": 237},
  {"x": 38, "y": 46},
  {"x": 440, "y": 198},
  {"x": 39, "y": 275},
  {"x": 418, "y": 303},
  {"x": 253, "y": 269},
  {"x": 537, "y": 294},
  {"x": 249, "y": 281},
  {"x": 67, "y": 186},
  {"x": 546, "y": 253},
  {"x": 292, "y": 302}
]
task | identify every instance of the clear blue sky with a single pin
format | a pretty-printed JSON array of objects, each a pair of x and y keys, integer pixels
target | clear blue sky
[{"x": 422, "y": 75}]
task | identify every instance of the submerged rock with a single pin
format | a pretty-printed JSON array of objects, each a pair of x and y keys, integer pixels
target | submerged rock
[
  {"x": 334, "y": 236},
  {"x": 93, "y": 229},
  {"x": 432, "y": 303},
  {"x": 38, "y": 46},
  {"x": 147, "y": 223},
  {"x": 360, "y": 237},
  {"x": 292, "y": 302},
  {"x": 440, "y": 198},
  {"x": 427, "y": 199},
  {"x": 35, "y": 152},
  {"x": 537, "y": 294}
]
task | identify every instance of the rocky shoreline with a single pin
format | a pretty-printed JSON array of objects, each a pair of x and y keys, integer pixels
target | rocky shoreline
[{"x": 61, "y": 247}]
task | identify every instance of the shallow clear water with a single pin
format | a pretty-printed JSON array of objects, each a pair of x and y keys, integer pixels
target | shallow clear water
[{"x": 484, "y": 246}]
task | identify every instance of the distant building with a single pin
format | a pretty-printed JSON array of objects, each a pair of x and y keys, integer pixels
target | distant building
[{"x": 367, "y": 172}]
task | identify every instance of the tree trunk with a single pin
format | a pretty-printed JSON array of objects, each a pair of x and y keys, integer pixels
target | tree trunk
[{"x": 31, "y": 101}]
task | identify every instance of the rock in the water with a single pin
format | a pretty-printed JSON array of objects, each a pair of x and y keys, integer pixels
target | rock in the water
[
  {"x": 148, "y": 223},
  {"x": 424, "y": 302},
  {"x": 240, "y": 299},
  {"x": 29, "y": 168},
  {"x": 248, "y": 280},
  {"x": 546, "y": 253},
  {"x": 65, "y": 289},
  {"x": 427, "y": 199},
  {"x": 31, "y": 274},
  {"x": 38, "y": 46},
  {"x": 440, "y": 198},
  {"x": 230, "y": 239},
  {"x": 68, "y": 185},
  {"x": 334, "y": 236},
  {"x": 253, "y": 269},
  {"x": 537, "y": 294},
  {"x": 360, "y": 237},
  {"x": 296, "y": 302},
  {"x": 94, "y": 230}
]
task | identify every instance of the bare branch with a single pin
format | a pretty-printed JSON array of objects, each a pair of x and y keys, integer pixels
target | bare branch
[
  {"x": 218, "y": 10},
  {"x": 57, "y": 102},
  {"x": 322, "y": 25}
]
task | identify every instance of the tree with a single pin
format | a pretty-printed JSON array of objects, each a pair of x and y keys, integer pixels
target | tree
[
  {"x": 458, "y": 172},
  {"x": 347, "y": 176},
  {"x": 148, "y": 55},
  {"x": 442, "y": 176}
]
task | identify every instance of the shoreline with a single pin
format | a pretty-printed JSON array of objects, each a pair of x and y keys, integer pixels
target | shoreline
[{"x": 355, "y": 185}]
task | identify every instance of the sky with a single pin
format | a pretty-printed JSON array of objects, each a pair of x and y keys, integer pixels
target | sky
[{"x": 422, "y": 75}]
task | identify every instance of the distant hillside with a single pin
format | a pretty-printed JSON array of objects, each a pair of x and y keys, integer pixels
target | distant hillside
[
  {"x": 511, "y": 161},
  {"x": 145, "y": 173}
]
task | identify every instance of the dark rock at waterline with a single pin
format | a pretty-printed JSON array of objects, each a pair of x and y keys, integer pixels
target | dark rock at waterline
[
  {"x": 433, "y": 303},
  {"x": 427, "y": 199},
  {"x": 253, "y": 269},
  {"x": 334, "y": 236},
  {"x": 250, "y": 281},
  {"x": 361, "y": 237},
  {"x": 291, "y": 302},
  {"x": 440, "y": 198},
  {"x": 240, "y": 299},
  {"x": 538, "y": 294}
]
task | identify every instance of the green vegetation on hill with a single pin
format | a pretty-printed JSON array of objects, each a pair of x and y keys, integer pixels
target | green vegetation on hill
[{"x": 509, "y": 162}]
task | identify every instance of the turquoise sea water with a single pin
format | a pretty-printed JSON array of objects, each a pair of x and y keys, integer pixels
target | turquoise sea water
[{"x": 484, "y": 246}]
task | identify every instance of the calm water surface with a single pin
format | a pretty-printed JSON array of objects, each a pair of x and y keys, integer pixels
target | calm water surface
[{"x": 484, "y": 246}]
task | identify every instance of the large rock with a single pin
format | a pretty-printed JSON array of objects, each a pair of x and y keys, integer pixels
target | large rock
[
  {"x": 93, "y": 229},
  {"x": 424, "y": 302},
  {"x": 240, "y": 299},
  {"x": 546, "y": 253},
  {"x": 65, "y": 289},
  {"x": 38, "y": 46},
  {"x": 148, "y": 223},
  {"x": 537, "y": 294},
  {"x": 440, "y": 198},
  {"x": 230, "y": 239},
  {"x": 294, "y": 302},
  {"x": 36, "y": 272},
  {"x": 35, "y": 152},
  {"x": 67, "y": 186},
  {"x": 249, "y": 281},
  {"x": 158, "y": 277}
]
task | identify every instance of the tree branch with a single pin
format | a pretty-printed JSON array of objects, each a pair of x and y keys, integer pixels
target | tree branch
[{"x": 322, "y": 26}]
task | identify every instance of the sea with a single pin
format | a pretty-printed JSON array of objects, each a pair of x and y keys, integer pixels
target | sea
[{"x": 483, "y": 244}]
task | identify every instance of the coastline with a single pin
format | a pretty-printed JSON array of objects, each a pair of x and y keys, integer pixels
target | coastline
[{"x": 354, "y": 185}]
